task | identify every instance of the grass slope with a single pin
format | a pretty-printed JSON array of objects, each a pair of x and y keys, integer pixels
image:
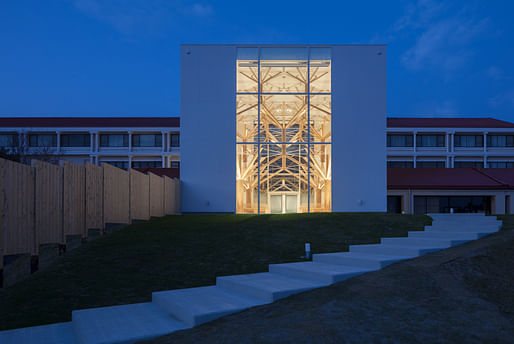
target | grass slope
[
  {"x": 463, "y": 294},
  {"x": 182, "y": 252}
]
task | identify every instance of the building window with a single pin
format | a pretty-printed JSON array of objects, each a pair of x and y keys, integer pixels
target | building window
[
  {"x": 75, "y": 140},
  {"x": 283, "y": 130},
  {"x": 430, "y": 164},
  {"x": 459, "y": 204},
  {"x": 400, "y": 164},
  {"x": 469, "y": 140},
  {"x": 147, "y": 140},
  {"x": 175, "y": 140},
  {"x": 500, "y": 140},
  {"x": 8, "y": 140},
  {"x": 500, "y": 164},
  {"x": 400, "y": 140},
  {"x": 430, "y": 140},
  {"x": 468, "y": 164},
  {"x": 145, "y": 164},
  {"x": 394, "y": 204},
  {"x": 118, "y": 164},
  {"x": 114, "y": 140},
  {"x": 42, "y": 140},
  {"x": 175, "y": 164}
]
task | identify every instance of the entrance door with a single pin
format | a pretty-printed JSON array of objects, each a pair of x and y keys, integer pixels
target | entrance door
[
  {"x": 276, "y": 204},
  {"x": 291, "y": 205},
  {"x": 283, "y": 203}
]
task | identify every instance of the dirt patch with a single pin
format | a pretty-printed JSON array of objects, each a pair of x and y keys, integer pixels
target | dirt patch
[{"x": 461, "y": 295}]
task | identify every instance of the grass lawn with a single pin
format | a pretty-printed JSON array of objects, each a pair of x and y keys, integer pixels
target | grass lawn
[{"x": 181, "y": 252}]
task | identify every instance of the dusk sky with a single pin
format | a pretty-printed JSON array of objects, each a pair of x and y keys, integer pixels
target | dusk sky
[{"x": 121, "y": 57}]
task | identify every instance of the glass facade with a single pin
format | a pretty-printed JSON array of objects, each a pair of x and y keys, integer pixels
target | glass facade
[{"x": 283, "y": 135}]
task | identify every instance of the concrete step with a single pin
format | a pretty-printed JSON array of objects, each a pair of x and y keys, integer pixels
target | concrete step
[
  {"x": 123, "y": 324},
  {"x": 466, "y": 225},
  {"x": 422, "y": 241},
  {"x": 266, "y": 286},
  {"x": 455, "y": 215},
  {"x": 481, "y": 214},
  {"x": 434, "y": 234},
  {"x": 195, "y": 306},
  {"x": 461, "y": 216},
  {"x": 324, "y": 273},
  {"x": 358, "y": 260},
  {"x": 60, "y": 333},
  {"x": 483, "y": 229},
  {"x": 405, "y": 250},
  {"x": 467, "y": 221}
]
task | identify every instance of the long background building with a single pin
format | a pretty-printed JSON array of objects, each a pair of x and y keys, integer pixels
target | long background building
[
  {"x": 136, "y": 142},
  {"x": 434, "y": 164},
  {"x": 449, "y": 142}
]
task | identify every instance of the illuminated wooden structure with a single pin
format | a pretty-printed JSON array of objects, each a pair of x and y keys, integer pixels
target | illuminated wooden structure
[{"x": 283, "y": 114}]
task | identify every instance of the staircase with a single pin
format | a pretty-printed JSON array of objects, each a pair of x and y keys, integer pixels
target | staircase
[{"x": 175, "y": 310}]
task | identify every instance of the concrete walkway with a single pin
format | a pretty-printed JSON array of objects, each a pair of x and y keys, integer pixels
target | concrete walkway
[{"x": 175, "y": 310}]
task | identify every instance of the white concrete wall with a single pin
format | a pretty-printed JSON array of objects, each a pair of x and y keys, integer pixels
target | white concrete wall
[
  {"x": 359, "y": 128},
  {"x": 207, "y": 115}
]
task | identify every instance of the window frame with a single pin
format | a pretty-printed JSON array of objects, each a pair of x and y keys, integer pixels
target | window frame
[
  {"x": 406, "y": 139},
  {"x": 65, "y": 136},
  {"x": 136, "y": 140},
  {"x": 422, "y": 140},
  {"x": 14, "y": 140},
  {"x": 103, "y": 145},
  {"x": 35, "y": 142},
  {"x": 457, "y": 140},
  {"x": 508, "y": 137}
]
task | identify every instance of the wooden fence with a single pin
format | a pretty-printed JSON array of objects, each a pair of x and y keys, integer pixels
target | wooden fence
[
  {"x": 45, "y": 203},
  {"x": 140, "y": 195},
  {"x": 94, "y": 196}
]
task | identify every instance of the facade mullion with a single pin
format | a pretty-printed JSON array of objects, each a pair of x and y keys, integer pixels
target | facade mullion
[
  {"x": 283, "y": 161},
  {"x": 259, "y": 131},
  {"x": 309, "y": 131}
]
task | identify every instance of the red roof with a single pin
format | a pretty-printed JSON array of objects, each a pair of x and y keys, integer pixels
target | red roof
[
  {"x": 141, "y": 122},
  {"x": 89, "y": 122},
  {"x": 502, "y": 175},
  {"x": 456, "y": 122},
  {"x": 450, "y": 178}
]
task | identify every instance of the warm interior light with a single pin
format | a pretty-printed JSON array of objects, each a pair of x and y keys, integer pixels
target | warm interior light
[{"x": 283, "y": 114}]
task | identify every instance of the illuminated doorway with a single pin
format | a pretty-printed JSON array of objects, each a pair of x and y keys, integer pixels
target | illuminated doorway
[
  {"x": 283, "y": 202},
  {"x": 283, "y": 116}
]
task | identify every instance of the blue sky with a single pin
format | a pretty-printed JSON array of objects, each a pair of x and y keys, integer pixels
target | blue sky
[{"x": 121, "y": 57}]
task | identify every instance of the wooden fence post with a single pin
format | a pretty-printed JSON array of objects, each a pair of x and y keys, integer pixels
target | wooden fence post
[
  {"x": 156, "y": 195},
  {"x": 116, "y": 195},
  {"x": 139, "y": 195},
  {"x": 94, "y": 197},
  {"x": 49, "y": 203}
]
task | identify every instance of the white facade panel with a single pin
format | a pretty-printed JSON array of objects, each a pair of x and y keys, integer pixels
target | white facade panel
[
  {"x": 359, "y": 127},
  {"x": 207, "y": 103}
]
